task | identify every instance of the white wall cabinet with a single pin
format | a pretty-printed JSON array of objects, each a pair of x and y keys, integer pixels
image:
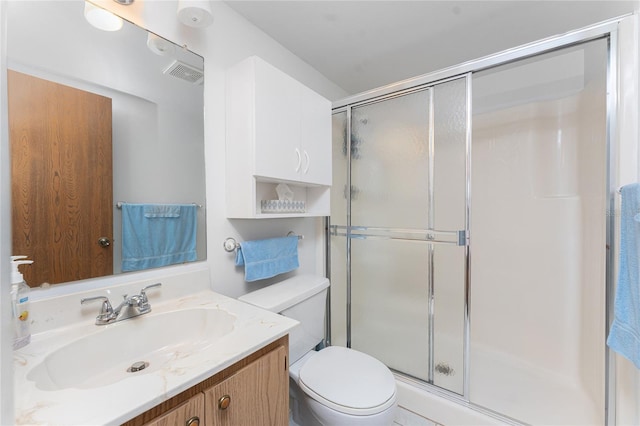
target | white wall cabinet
[{"x": 278, "y": 130}]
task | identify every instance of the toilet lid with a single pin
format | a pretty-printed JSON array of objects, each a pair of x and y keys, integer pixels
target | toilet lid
[{"x": 348, "y": 381}]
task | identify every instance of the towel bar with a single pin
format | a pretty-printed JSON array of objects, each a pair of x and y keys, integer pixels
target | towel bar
[
  {"x": 120, "y": 203},
  {"x": 230, "y": 244}
]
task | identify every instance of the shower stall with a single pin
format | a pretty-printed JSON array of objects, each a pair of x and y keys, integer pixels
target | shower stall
[{"x": 468, "y": 237}]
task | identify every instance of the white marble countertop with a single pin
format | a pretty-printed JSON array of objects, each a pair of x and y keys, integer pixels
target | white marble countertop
[{"x": 118, "y": 402}]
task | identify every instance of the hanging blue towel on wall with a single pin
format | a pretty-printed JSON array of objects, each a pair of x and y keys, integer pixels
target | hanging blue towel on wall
[
  {"x": 156, "y": 235},
  {"x": 624, "y": 336},
  {"x": 268, "y": 258}
]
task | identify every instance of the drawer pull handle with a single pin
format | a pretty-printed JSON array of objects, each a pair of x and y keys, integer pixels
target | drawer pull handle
[
  {"x": 223, "y": 402},
  {"x": 193, "y": 421}
]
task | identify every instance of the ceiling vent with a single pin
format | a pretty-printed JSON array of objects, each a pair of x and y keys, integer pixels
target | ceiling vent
[{"x": 185, "y": 72}]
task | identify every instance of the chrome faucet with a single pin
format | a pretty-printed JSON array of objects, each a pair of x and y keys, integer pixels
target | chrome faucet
[{"x": 130, "y": 307}]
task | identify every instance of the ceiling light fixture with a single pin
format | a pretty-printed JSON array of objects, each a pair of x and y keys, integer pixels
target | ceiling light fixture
[
  {"x": 160, "y": 46},
  {"x": 101, "y": 19},
  {"x": 195, "y": 13},
  {"x": 124, "y": 2}
]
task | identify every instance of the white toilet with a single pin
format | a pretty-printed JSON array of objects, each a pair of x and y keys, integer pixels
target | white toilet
[{"x": 333, "y": 386}]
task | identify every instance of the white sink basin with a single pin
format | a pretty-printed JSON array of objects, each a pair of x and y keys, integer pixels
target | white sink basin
[{"x": 103, "y": 358}]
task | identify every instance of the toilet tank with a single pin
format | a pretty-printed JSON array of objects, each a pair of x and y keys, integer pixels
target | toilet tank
[{"x": 302, "y": 298}]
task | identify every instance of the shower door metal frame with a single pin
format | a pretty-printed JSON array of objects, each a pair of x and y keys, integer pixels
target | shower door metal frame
[
  {"x": 430, "y": 235},
  {"x": 604, "y": 30}
]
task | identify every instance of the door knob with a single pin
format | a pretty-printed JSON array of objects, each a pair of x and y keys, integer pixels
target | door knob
[{"x": 104, "y": 242}]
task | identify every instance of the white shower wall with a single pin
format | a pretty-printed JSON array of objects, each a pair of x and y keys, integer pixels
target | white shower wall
[{"x": 538, "y": 243}]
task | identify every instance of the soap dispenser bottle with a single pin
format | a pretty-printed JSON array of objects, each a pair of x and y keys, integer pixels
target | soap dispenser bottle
[{"x": 20, "y": 303}]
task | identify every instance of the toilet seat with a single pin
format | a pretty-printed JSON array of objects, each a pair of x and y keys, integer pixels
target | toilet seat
[{"x": 348, "y": 381}]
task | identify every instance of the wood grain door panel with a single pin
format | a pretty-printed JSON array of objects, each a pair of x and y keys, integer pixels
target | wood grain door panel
[
  {"x": 258, "y": 394},
  {"x": 61, "y": 171}
]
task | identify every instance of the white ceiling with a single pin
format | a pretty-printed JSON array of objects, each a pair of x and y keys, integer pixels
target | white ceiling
[{"x": 361, "y": 45}]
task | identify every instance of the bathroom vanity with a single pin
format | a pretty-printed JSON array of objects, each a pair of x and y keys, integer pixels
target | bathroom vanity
[
  {"x": 210, "y": 359},
  {"x": 254, "y": 390}
]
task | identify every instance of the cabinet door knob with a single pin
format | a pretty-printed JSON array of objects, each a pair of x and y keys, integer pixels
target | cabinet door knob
[
  {"x": 223, "y": 402},
  {"x": 193, "y": 421}
]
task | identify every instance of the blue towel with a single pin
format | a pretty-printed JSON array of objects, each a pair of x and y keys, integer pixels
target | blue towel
[
  {"x": 268, "y": 258},
  {"x": 156, "y": 235},
  {"x": 624, "y": 336}
]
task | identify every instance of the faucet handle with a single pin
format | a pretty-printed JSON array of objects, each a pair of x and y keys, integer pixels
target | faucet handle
[
  {"x": 150, "y": 286},
  {"x": 106, "y": 310},
  {"x": 143, "y": 295},
  {"x": 106, "y": 305},
  {"x": 144, "y": 289}
]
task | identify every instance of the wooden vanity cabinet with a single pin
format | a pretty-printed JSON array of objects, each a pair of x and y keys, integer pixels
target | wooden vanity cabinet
[
  {"x": 256, "y": 395},
  {"x": 253, "y": 391}
]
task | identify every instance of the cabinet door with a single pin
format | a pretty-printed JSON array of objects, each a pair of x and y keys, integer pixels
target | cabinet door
[
  {"x": 315, "y": 138},
  {"x": 276, "y": 123},
  {"x": 191, "y": 413},
  {"x": 256, "y": 395}
]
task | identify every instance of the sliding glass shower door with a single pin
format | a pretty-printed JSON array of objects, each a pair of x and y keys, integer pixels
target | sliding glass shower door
[
  {"x": 518, "y": 327},
  {"x": 402, "y": 227}
]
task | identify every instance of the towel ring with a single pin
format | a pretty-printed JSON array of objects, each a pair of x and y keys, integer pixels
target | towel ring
[
  {"x": 291, "y": 233},
  {"x": 230, "y": 244}
]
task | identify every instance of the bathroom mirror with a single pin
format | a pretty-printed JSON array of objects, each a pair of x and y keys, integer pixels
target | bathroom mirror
[{"x": 153, "y": 92}]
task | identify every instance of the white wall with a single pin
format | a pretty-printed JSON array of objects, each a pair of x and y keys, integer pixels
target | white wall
[{"x": 157, "y": 157}]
